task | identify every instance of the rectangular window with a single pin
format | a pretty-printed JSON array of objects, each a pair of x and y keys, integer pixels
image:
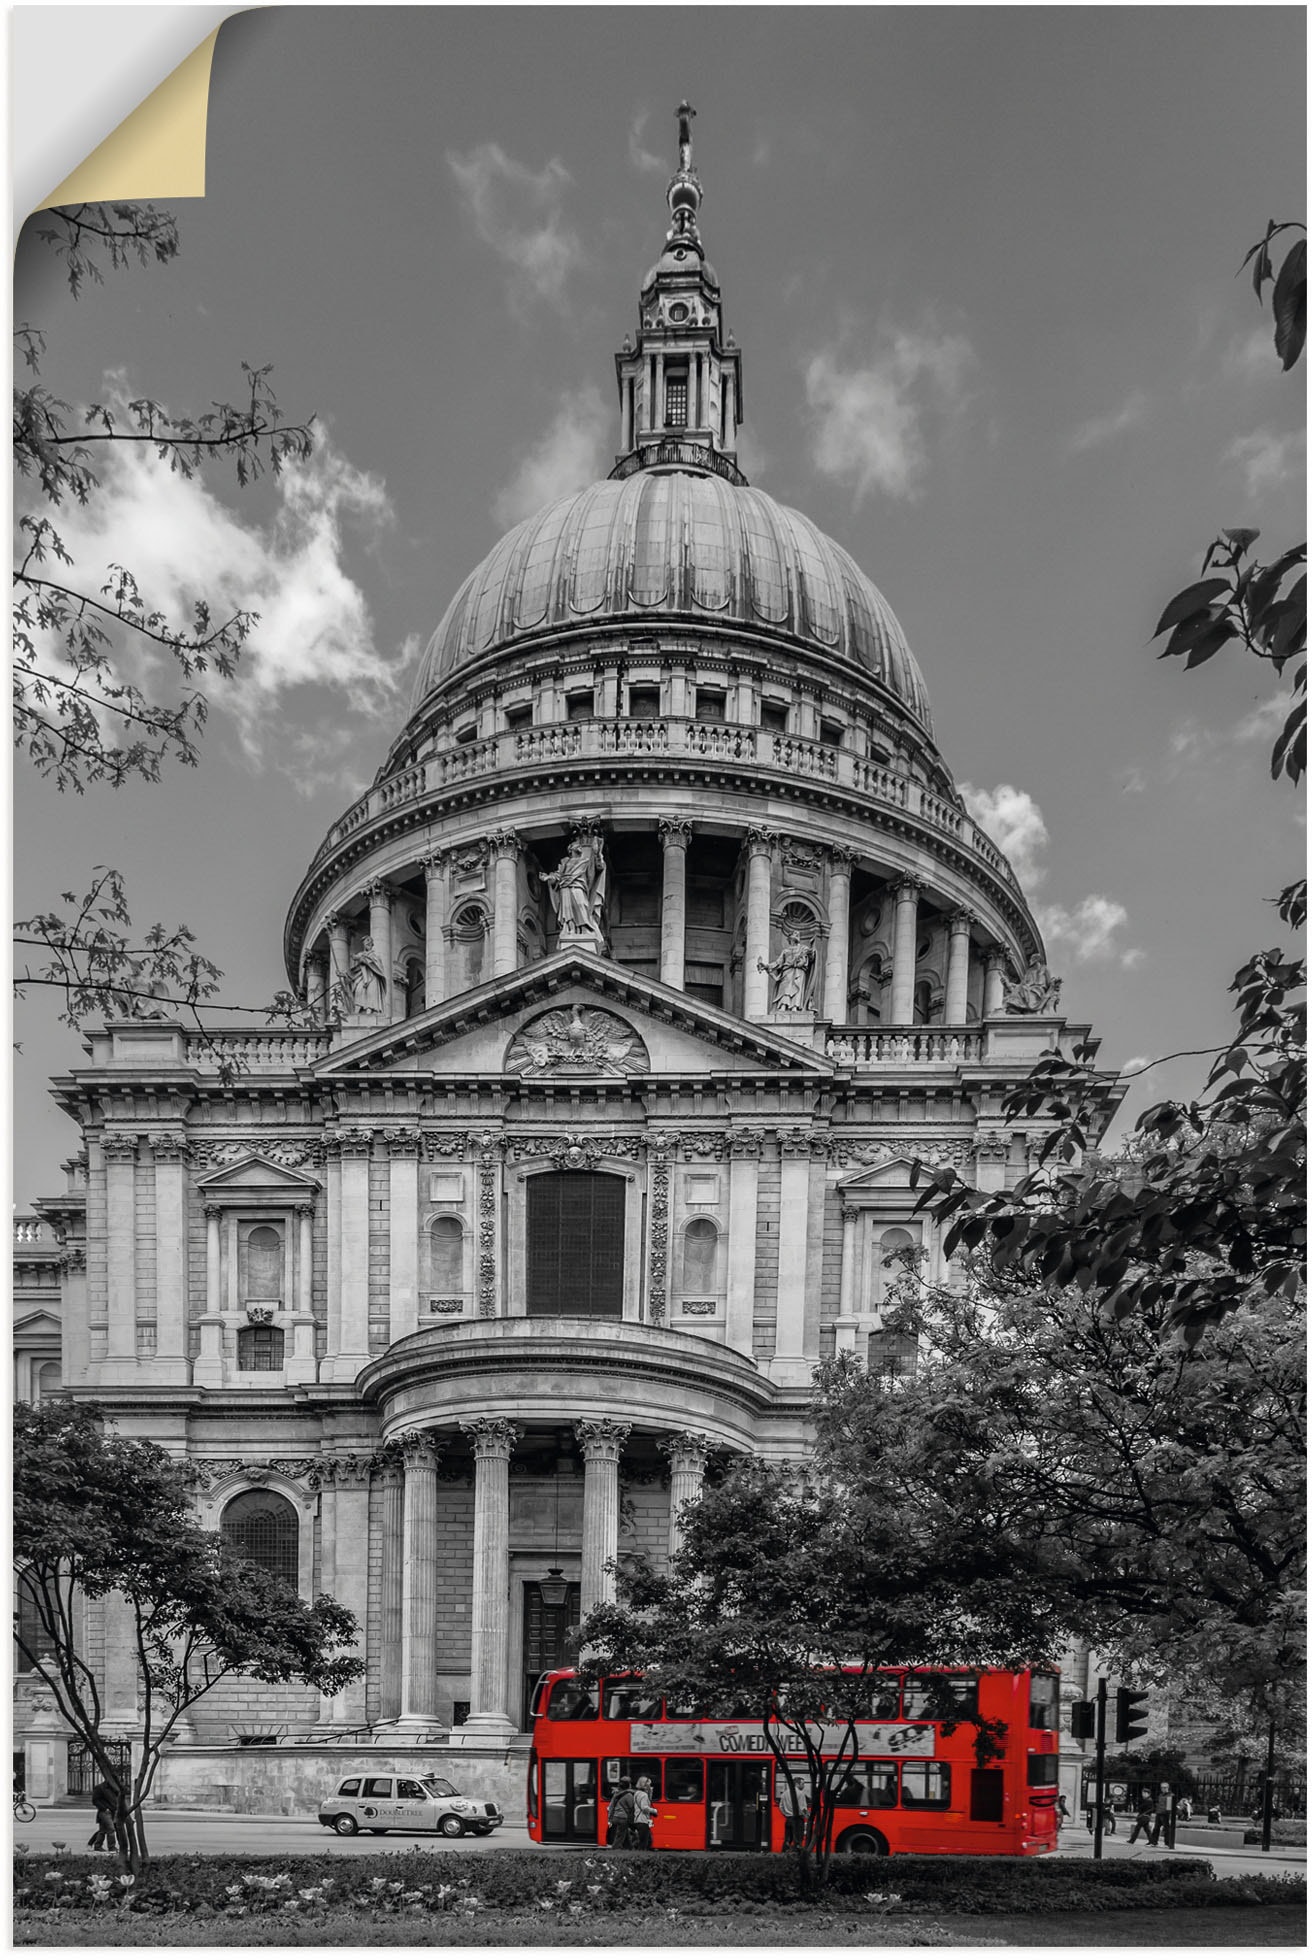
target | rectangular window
[
  {"x": 831, "y": 734},
  {"x": 1041, "y": 1772},
  {"x": 575, "y": 1243},
  {"x": 939, "y": 1697},
  {"x": 377, "y": 1786},
  {"x": 774, "y": 716},
  {"x": 410, "y": 1791},
  {"x": 684, "y": 1779},
  {"x": 573, "y": 1701},
  {"x": 644, "y": 703},
  {"x": 467, "y": 734},
  {"x": 632, "y": 1704},
  {"x": 676, "y": 398},
  {"x": 629, "y": 1768},
  {"x": 578, "y": 707},
  {"x": 1045, "y": 1702},
  {"x": 926, "y": 1786},
  {"x": 711, "y": 702},
  {"x": 886, "y": 1697},
  {"x": 869, "y": 1786},
  {"x": 521, "y": 717}
]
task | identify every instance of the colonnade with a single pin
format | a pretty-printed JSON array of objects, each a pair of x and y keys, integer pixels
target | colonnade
[
  {"x": 504, "y": 848},
  {"x": 410, "y": 1579}
]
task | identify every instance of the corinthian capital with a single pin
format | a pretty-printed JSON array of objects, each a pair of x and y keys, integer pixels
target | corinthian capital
[
  {"x": 602, "y": 1441},
  {"x": 686, "y": 1451},
  {"x": 492, "y": 1437}
]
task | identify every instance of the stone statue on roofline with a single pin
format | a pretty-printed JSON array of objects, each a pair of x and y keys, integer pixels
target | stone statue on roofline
[
  {"x": 368, "y": 980},
  {"x": 578, "y": 890},
  {"x": 791, "y": 974},
  {"x": 1038, "y": 990}
]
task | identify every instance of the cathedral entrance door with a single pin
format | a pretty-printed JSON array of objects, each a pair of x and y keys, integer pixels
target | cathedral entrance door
[
  {"x": 547, "y": 1641},
  {"x": 575, "y": 1243}
]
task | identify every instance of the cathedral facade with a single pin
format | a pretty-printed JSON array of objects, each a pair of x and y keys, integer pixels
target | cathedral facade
[{"x": 660, "y": 947}]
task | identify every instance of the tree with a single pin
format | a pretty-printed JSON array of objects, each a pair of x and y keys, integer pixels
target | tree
[
  {"x": 1215, "y": 1208},
  {"x": 789, "y": 1590},
  {"x": 1149, "y": 1493},
  {"x": 87, "y": 641},
  {"x": 96, "y": 1515}
]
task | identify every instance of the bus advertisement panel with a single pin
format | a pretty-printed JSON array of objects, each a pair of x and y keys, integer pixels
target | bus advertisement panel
[{"x": 915, "y": 1785}]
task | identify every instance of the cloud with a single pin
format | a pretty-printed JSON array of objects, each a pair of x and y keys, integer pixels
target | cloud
[
  {"x": 640, "y": 158},
  {"x": 1251, "y": 355},
  {"x": 314, "y": 638},
  {"x": 567, "y": 457},
  {"x": 868, "y": 420},
  {"x": 1014, "y": 821},
  {"x": 1102, "y": 429},
  {"x": 1088, "y": 932},
  {"x": 1134, "y": 1064},
  {"x": 520, "y": 214},
  {"x": 1268, "y": 459},
  {"x": 1264, "y": 722}
]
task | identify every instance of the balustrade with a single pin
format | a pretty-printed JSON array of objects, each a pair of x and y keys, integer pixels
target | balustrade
[
  {"x": 885, "y": 1047},
  {"x": 295, "y": 1049}
]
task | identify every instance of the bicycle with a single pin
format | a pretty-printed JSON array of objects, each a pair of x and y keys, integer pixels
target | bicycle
[{"x": 24, "y": 1812}]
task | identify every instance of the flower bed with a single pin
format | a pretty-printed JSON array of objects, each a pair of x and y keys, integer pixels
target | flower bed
[{"x": 434, "y": 1884}]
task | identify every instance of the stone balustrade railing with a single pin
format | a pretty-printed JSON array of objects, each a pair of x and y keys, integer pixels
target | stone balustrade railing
[
  {"x": 889, "y": 1047},
  {"x": 32, "y": 1231},
  {"x": 677, "y": 738},
  {"x": 278, "y": 1050}
]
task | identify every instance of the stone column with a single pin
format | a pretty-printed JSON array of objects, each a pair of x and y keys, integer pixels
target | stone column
[
  {"x": 170, "y": 1363},
  {"x": 419, "y": 1583},
  {"x": 905, "y": 926},
  {"x": 403, "y": 1219},
  {"x": 380, "y": 931},
  {"x": 954, "y": 1003},
  {"x": 790, "y": 1362},
  {"x": 601, "y": 1443},
  {"x": 674, "y": 834},
  {"x": 353, "y": 1335},
  {"x": 840, "y": 928},
  {"x": 120, "y": 1363},
  {"x": 435, "y": 910},
  {"x": 756, "y": 952},
  {"x": 301, "y": 1364},
  {"x": 493, "y": 1439},
  {"x": 339, "y": 966},
  {"x": 687, "y": 1453},
  {"x": 390, "y": 1616},
  {"x": 744, "y": 1154},
  {"x": 316, "y": 985},
  {"x": 995, "y": 976},
  {"x": 849, "y": 1304},
  {"x": 505, "y": 901},
  {"x": 351, "y": 1574}
]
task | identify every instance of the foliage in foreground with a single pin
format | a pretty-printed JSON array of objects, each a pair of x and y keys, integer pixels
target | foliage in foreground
[
  {"x": 97, "y": 1516},
  {"x": 578, "y": 1885}
]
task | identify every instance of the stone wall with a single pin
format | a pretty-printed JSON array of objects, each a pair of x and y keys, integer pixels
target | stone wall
[{"x": 290, "y": 1781}]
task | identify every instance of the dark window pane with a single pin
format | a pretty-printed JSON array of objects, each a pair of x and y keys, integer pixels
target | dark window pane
[
  {"x": 1041, "y": 1772},
  {"x": 350, "y": 1788},
  {"x": 572, "y": 1701},
  {"x": 683, "y": 1779},
  {"x": 259, "y": 1349},
  {"x": 263, "y": 1527},
  {"x": 927, "y": 1697},
  {"x": 378, "y": 1786},
  {"x": 576, "y": 1243},
  {"x": 676, "y": 400},
  {"x": 926, "y": 1786},
  {"x": 1045, "y": 1702},
  {"x": 644, "y": 703}
]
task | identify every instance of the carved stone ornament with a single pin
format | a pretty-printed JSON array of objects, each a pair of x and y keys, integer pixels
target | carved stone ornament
[
  {"x": 745, "y": 1143},
  {"x": 402, "y": 1143},
  {"x": 874, "y": 1151},
  {"x": 448, "y": 1306},
  {"x": 576, "y": 1041},
  {"x": 295, "y": 1467},
  {"x": 795, "y": 1142},
  {"x": 602, "y": 1441},
  {"x": 168, "y": 1147},
  {"x": 211, "y": 1470},
  {"x": 119, "y": 1149},
  {"x": 351, "y": 1142},
  {"x": 659, "y": 1240},
  {"x": 578, "y": 1149},
  {"x": 491, "y": 1436},
  {"x": 287, "y": 1155},
  {"x": 701, "y": 1307},
  {"x": 260, "y": 1312},
  {"x": 348, "y": 1470},
  {"x": 686, "y": 1451},
  {"x": 702, "y": 1143},
  {"x": 440, "y": 1144},
  {"x": 487, "y": 1238},
  {"x": 1038, "y": 991}
]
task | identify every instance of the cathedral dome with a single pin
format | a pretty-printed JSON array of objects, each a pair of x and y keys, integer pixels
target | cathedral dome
[{"x": 667, "y": 544}]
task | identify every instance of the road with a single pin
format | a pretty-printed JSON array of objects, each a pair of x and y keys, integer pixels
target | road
[{"x": 225, "y": 1831}]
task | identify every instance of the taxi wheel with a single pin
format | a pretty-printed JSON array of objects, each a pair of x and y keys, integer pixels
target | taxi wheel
[
  {"x": 345, "y": 1825},
  {"x": 451, "y": 1827}
]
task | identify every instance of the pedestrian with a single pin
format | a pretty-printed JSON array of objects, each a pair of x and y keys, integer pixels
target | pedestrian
[
  {"x": 1143, "y": 1820},
  {"x": 1063, "y": 1812},
  {"x": 1162, "y": 1815},
  {"x": 1213, "y": 1813},
  {"x": 105, "y": 1799},
  {"x": 644, "y": 1814},
  {"x": 1184, "y": 1810},
  {"x": 619, "y": 1817}
]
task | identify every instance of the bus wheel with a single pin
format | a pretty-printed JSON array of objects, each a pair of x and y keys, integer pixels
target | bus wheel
[{"x": 862, "y": 1843}]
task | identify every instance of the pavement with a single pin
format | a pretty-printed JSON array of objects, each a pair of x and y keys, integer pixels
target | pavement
[{"x": 229, "y": 1832}]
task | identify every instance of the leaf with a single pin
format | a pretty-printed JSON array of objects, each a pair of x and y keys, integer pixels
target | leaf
[
  {"x": 1195, "y": 598},
  {"x": 1289, "y": 305}
]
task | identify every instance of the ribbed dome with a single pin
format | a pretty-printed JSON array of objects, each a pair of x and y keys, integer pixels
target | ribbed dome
[{"x": 670, "y": 544}]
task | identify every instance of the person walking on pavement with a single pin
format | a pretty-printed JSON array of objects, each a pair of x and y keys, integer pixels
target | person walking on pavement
[
  {"x": 644, "y": 1814},
  {"x": 620, "y": 1816},
  {"x": 105, "y": 1799},
  {"x": 1143, "y": 1820},
  {"x": 1162, "y": 1815}
]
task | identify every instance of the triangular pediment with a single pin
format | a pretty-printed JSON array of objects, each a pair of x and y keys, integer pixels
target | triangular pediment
[
  {"x": 256, "y": 1173},
  {"x": 893, "y": 1173},
  {"x": 575, "y": 1016}
]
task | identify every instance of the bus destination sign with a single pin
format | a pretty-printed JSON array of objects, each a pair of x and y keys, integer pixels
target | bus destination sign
[{"x": 748, "y": 1739}]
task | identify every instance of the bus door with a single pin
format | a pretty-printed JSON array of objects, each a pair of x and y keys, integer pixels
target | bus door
[
  {"x": 737, "y": 1805},
  {"x": 569, "y": 1801}
]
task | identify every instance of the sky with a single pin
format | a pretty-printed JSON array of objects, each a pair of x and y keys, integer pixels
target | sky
[{"x": 981, "y": 262}]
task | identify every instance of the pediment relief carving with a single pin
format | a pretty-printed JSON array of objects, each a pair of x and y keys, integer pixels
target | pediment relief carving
[{"x": 576, "y": 1040}]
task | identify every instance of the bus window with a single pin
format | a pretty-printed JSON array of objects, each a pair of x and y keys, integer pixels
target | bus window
[
  {"x": 629, "y": 1702},
  {"x": 939, "y": 1697},
  {"x": 926, "y": 1786},
  {"x": 684, "y": 1781},
  {"x": 573, "y": 1701},
  {"x": 1045, "y": 1703},
  {"x": 885, "y": 1697},
  {"x": 880, "y": 1781},
  {"x": 629, "y": 1768},
  {"x": 1041, "y": 1772}
]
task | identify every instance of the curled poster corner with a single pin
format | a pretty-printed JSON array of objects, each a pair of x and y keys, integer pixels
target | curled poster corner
[{"x": 158, "y": 151}]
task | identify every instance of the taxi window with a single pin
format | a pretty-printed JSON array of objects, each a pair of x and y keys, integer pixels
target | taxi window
[
  {"x": 377, "y": 1786},
  {"x": 414, "y": 1791},
  {"x": 439, "y": 1787},
  {"x": 351, "y": 1787}
]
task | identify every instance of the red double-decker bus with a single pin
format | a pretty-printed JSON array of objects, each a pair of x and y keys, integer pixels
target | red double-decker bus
[{"x": 716, "y": 1784}]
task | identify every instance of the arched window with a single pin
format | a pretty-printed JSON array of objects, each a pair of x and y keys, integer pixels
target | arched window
[
  {"x": 891, "y": 1356},
  {"x": 446, "y": 1241},
  {"x": 260, "y": 1349},
  {"x": 45, "y": 1381},
  {"x": 890, "y": 1262},
  {"x": 414, "y": 988},
  {"x": 263, "y": 1527},
  {"x": 700, "y": 1241},
  {"x": 469, "y": 933},
  {"x": 262, "y": 1250}
]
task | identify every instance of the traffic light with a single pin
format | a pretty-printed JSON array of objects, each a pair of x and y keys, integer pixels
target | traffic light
[
  {"x": 1084, "y": 1720},
  {"x": 1131, "y": 1713}
]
